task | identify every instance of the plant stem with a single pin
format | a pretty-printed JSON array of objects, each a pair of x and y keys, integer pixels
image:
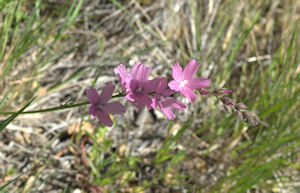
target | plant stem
[
  {"x": 50, "y": 109},
  {"x": 61, "y": 107}
]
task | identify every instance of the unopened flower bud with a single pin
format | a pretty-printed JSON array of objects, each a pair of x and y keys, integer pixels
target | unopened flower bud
[
  {"x": 204, "y": 92},
  {"x": 227, "y": 108},
  {"x": 246, "y": 114},
  {"x": 251, "y": 121},
  {"x": 226, "y": 101},
  {"x": 224, "y": 91},
  {"x": 255, "y": 118},
  {"x": 251, "y": 118},
  {"x": 241, "y": 106},
  {"x": 239, "y": 115},
  {"x": 229, "y": 102}
]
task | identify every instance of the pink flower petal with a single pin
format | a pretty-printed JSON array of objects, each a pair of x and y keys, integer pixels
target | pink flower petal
[
  {"x": 107, "y": 92},
  {"x": 135, "y": 85},
  {"x": 167, "y": 92},
  {"x": 154, "y": 103},
  {"x": 174, "y": 85},
  {"x": 190, "y": 70},
  {"x": 168, "y": 113},
  {"x": 121, "y": 72},
  {"x": 177, "y": 72},
  {"x": 168, "y": 102},
  {"x": 127, "y": 81},
  {"x": 139, "y": 100},
  {"x": 104, "y": 118},
  {"x": 134, "y": 70},
  {"x": 92, "y": 110},
  {"x": 188, "y": 93},
  {"x": 143, "y": 73},
  {"x": 162, "y": 85},
  {"x": 197, "y": 83},
  {"x": 130, "y": 96},
  {"x": 143, "y": 99},
  {"x": 151, "y": 85},
  {"x": 173, "y": 103},
  {"x": 93, "y": 95},
  {"x": 114, "y": 108},
  {"x": 178, "y": 105}
]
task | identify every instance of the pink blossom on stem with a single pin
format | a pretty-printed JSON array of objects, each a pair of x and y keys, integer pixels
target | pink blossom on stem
[
  {"x": 184, "y": 82},
  {"x": 100, "y": 108},
  {"x": 224, "y": 91},
  {"x": 204, "y": 92},
  {"x": 163, "y": 100},
  {"x": 136, "y": 84}
]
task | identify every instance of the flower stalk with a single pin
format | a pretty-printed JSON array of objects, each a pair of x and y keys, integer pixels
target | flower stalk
[{"x": 154, "y": 94}]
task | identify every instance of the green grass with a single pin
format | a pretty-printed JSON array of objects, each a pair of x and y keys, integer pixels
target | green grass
[{"x": 262, "y": 157}]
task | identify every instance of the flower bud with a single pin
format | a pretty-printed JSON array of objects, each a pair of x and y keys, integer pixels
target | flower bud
[
  {"x": 226, "y": 101},
  {"x": 241, "y": 106},
  {"x": 239, "y": 115},
  {"x": 224, "y": 91},
  {"x": 204, "y": 92},
  {"x": 251, "y": 121},
  {"x": 227, "y": 108}
]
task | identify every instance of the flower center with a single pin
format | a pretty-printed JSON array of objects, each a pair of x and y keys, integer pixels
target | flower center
[
  {"x": 183, "y": 83},
  {"x": 100, "y": 106},
  {"x": 139, "y": 90}
]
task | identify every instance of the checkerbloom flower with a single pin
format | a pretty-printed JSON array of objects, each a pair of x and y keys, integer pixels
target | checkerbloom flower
[
  {"x": 100, "y": 108},
  {"x": 136, "y": 84},
  {"x": 163, "y": 100},
  {"x": 184, "y": 81}
]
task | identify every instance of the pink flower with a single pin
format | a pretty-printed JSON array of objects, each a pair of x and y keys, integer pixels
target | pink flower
[
  {"x": 224, "y": 91},
  {"x": 136, "y": 84},
  {"x": 184, "y": 81},
  {"x": 162, "y": 100},
  {"x": 100, "y": 108}
]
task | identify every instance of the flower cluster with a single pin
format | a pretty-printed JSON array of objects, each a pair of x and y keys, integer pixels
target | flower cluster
[{"x": 142, "y": 92}]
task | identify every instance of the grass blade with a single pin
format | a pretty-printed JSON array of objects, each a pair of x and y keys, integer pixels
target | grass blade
[
  {"x": 8, "y": 183},
  {"x": 4, "y": 123}
]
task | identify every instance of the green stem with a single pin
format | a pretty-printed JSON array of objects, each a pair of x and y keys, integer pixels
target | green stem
[
  {"x": 61, "y": 107},
  {"x": 50, "y": 109}
]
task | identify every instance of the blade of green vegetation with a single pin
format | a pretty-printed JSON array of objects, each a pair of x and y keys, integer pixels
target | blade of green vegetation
[
  {"x": 43, "y": 181},
  {"x": 8, "y": 183},
  {"x": 3, "y": 100},
  {"x": 4, "y": 123},
  {"x": 239, "y": 42}
]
